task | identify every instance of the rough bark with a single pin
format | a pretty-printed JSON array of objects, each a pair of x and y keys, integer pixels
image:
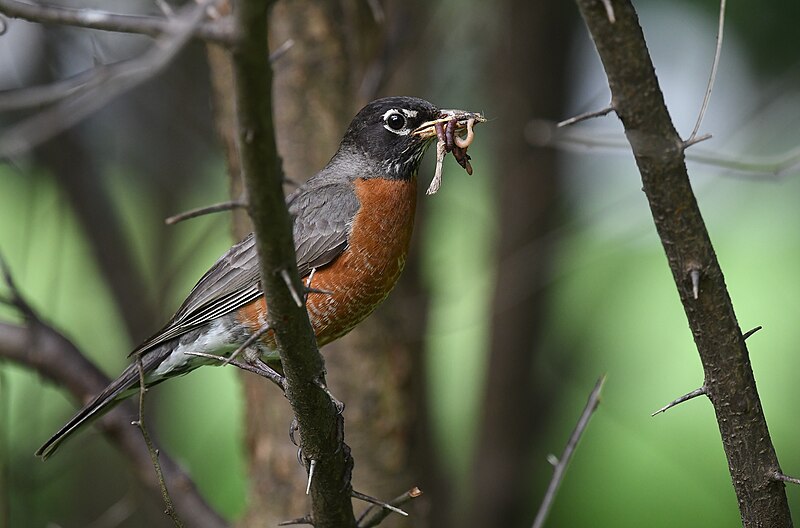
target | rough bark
[
  {"x": 313, "y": 101},
  {"x": 318, "y": 420},
  {"x": 659, "y": 153}
]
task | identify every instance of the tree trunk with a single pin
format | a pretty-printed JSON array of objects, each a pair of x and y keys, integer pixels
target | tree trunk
[{"x": 531, "y": 83}]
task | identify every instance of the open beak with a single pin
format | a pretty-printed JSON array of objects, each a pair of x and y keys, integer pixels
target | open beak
[{"x": 427, "y": 130}]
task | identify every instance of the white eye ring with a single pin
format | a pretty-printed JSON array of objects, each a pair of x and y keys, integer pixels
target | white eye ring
[{"x": 395, "y": 125}]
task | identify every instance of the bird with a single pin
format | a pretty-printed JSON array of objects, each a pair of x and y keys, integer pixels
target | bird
[{"x": 352, "y": 225}]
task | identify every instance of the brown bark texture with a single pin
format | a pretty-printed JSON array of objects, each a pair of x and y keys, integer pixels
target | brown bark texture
[
  {"x": 313, "y": 101},
  {"x": 659, "y": 153}
]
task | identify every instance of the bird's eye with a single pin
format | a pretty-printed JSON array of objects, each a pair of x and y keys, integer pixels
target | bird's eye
[{"x": 395, "y": 121}]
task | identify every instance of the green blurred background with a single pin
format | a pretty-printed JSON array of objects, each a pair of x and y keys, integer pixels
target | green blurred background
[{"x": 608, "y": 303}]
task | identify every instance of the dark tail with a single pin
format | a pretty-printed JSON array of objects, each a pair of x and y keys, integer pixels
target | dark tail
[{"x": 124, "y": 386}]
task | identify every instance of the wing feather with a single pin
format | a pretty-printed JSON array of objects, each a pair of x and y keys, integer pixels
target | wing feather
[{"x": 322, "y": 213}]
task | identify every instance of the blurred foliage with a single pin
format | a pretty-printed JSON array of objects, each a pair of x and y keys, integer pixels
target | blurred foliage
[{"x": 615, "y": 308}]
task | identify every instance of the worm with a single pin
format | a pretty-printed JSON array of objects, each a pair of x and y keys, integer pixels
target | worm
[
  {"x": 449, "y": 141},
  {"x": 441, "y": 152}
]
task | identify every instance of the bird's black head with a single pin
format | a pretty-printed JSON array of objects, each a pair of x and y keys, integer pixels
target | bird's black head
[{"x": 385, "y": 134}]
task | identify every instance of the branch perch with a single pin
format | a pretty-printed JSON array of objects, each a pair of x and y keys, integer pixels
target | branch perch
[
  {"x": 44, "y": 350},
  {"x": 659, "y": 153},
  {"x": 321, "y": 425}
]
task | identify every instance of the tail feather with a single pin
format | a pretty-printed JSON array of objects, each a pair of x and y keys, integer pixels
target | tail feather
[{"x": 118, "y": 390}]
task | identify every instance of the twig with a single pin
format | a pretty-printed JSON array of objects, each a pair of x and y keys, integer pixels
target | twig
[
  {"x": 576, "y": 141},
  {"x": 16, "y": 299},
  {"x": 103, "y": 86},
  {"x": 306, "y": 519},
  {"x": 561, "y": 467},
  {"x": 785, "y": 478},
  {"x": 373, "y": 515},
  {"x": 585, "y": 116},
  {"x": 372, "y": 500},
  {"x": 711, "y": 78},
  {"x": 686, "y": 397},
  {"x": 170, "y": 507},
  {"x": 247, "y": 343},
  {"x": 208, "y": 209},
  {"x": 212, "y": 31},
  {"x": 257, "y": 367}
]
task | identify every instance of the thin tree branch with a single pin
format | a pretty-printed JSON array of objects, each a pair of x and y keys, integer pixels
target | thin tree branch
[
  {"x": 42, "y": 349},
  {"x": 658, "y": 150},
  {"x": 542, "y": 132},
  {"x": 686, "y": 397},
  {"x": 375, "y": 514},
  {"x": 560, "y": 468},
  {"x": 693, "y": 139},
  {"x": 102, "y": 87},
  {"x": 585, "y": 116},
  {"x": 208, "y": 209},
  {"x": 321, "y": 425},
  {"x": 152, "y": 451},
  {"x": 377, "y": 502},
  {"x": 217, "y": 31}
]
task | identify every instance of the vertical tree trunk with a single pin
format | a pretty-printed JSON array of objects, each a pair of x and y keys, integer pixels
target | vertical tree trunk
[
  {"x": 315, "y": 87},
  {"x": 530, "y": 83}
]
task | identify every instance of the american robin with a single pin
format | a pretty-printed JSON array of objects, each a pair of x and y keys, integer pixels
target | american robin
[{"x": 352, "y": 227}]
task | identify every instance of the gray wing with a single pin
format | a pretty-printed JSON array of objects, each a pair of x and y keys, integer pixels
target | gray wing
[
  {"x": 322, "y": 223},
  {"x": 322, "y": 219}
]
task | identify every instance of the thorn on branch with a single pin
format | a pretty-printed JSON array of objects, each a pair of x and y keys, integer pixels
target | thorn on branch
[
  {"x": 686, "y": 397},
  {"x": 695, "y": 276},
  {"x": 200, "y": 211},
  {"x": 373, "y": 515},
  {"x": 377, "y": 502},
  {"x": 306, "y": 519},
  {"x": 585, "y": 116},
  {"x": 751, "y": 332},
  {"x": 609, "y": 11},
  {"x": 312, "y": 465},
  {"x": 288, "y": 281},
  {"x": 695, "y": 140}
]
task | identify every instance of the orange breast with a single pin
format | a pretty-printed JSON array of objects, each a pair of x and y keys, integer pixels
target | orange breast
[{"x": 364, "y": 274}]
